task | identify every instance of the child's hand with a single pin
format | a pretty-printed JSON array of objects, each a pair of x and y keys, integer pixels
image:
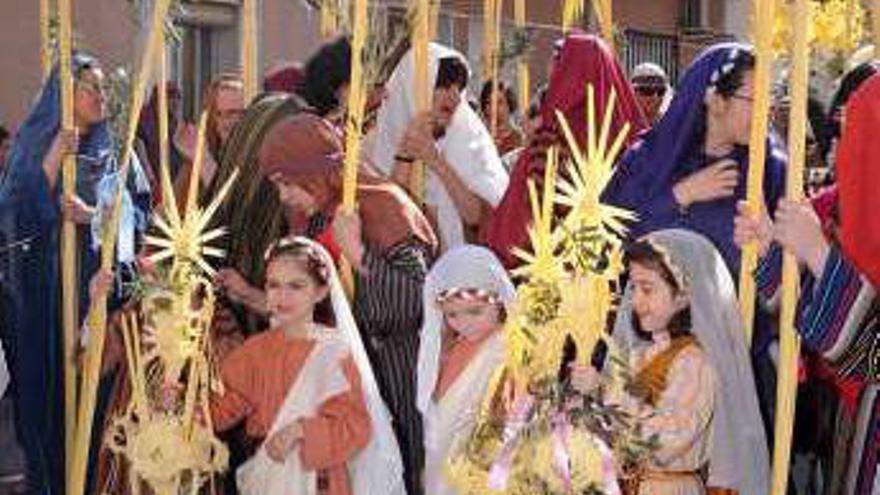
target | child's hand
[
  {"x": 418, "y": 141},
  {"x": 751, "y": 227},
  {"x": 146, "y": 268},
  {"x": 185, "y": 140},
  {"x": 100, "y": 284},
  {"x": 282, "y": 443},
  {"x": 237, "y": 288},
  {"x": 799, "y": 231},
  {"x": 67, "y": 142}
]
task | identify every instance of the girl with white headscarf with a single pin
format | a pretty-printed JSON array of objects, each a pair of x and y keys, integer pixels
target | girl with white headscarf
[
  {"x": 465, "y": 176},
  {"x": 329, "y": 432},
  {"x": 708, "y": 409},
  {"x": 467, "y": 293}
]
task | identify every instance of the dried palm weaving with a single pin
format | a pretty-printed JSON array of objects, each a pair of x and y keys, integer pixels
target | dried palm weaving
[{"x": 568, "y": 273}]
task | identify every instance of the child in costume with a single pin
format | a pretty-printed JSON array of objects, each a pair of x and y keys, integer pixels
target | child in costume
[
  {"x": 306, "y": 391},
  {"x": 466, "y": 298},
  {"x": 692, "y": 389}
]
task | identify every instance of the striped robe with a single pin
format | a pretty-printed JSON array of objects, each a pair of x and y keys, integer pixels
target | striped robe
[
  {"x": 388, "y": 310},
  {"x": 839, "y": 319}
]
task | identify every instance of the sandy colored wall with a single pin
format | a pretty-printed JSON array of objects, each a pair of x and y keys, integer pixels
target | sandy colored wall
[
  {"x": 20, "y": 59},
  {"x": 105, "y": 28},
  {"x": 289, "y": 32}
]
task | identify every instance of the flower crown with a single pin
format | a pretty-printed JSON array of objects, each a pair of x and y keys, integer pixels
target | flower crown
[
  {"x": 468, "y": 294},
  {"x": 725, "y": 69},
  {"x": 309, "y": 248}
]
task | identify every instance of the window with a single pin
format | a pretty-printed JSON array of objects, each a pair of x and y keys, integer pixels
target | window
[
  {"x": 195, "y": 69},
  {"x": 209, "y": 45},
  {"x": 693, "y": 13},
  {"x": 651, "y": 47}
]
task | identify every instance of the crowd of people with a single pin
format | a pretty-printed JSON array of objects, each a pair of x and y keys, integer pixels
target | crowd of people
[{"x": 375, "y": 390}]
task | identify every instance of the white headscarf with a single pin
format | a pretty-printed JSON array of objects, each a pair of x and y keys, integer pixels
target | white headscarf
[
  {"x": 467, "y": 146},
  {"x": 648, "y": 69},
  {"x": 377, "y": 469},
  {"x": 738, "y": 449},
  {"x": 465, "y": 267}
]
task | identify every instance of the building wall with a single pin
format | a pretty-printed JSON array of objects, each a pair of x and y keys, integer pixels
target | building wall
[
  {"x": 658, "y": 16},
  {"x": 104, "y": 28},
  {"x": 289, "y": 32},
  {"x": 20, "y": 59},
  {"x": 735, "y": 17},
  {"x": 108, "y": 29}
]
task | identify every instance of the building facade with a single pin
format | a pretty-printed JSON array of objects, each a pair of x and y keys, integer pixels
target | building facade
[{"x": 668, "y": 32}]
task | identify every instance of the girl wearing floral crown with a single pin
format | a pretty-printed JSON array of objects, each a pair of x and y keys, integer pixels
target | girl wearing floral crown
[
  {"x": 306, "y": 391},
  {"x": 466, "y": 298}
]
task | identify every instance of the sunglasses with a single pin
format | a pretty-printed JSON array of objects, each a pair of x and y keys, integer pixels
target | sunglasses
[{"x": 651, "y": 90}]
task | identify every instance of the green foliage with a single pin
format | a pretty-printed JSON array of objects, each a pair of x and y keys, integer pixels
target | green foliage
[
  {"x": 515, "y": 45},
  {"x": 588, "y": 248}
]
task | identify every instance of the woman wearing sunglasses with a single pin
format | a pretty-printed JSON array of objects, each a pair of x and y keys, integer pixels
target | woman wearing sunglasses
[{"x": 652, "y": 90}]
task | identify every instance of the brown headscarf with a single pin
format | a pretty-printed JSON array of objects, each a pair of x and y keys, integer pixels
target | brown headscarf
[{"x": 306, "y": 150}]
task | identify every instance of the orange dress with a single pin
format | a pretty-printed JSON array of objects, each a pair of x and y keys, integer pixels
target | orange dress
[{"x": 257, "y": 377}]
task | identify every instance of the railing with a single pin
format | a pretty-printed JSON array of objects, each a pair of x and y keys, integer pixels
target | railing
[{"x": 661, "y": 49}]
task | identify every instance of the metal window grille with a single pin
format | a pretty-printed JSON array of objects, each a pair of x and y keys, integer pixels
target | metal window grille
[{"x": 661, "y": 49}]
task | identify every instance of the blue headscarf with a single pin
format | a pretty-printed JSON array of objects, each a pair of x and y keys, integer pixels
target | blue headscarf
[
  {"x": 674, "y": 148},
  {"x": 30, "y": 217},
  {"x": 96, "y": 176},
  {"x": 23, "y": 173}
]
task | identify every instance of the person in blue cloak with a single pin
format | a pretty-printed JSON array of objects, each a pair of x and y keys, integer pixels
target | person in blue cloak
[
  {"x": 691, "y": 168},
  {"x": 32, "y": 209}
]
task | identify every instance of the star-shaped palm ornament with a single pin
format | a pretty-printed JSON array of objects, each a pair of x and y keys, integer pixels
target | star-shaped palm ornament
[
  {"x": 542, "y": 262},
  {"x": 591, "y": 225},
  {"x": 185, "y": 238}
]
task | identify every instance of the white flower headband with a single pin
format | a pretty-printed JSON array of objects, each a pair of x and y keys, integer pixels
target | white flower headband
[
  {"x": 468, "y": 294},
  {"x": 724, "y": 70},
  {"x": 315, "y": 259}
]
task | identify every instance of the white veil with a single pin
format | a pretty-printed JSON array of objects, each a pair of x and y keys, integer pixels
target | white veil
[
  {"x": 738, "y": 448},
  {"x": 467, "y": 145},
  {"x": 376, "y": 470},
  {"x": 466, "y": 266},
  {"x": 652, "y": 69}
]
